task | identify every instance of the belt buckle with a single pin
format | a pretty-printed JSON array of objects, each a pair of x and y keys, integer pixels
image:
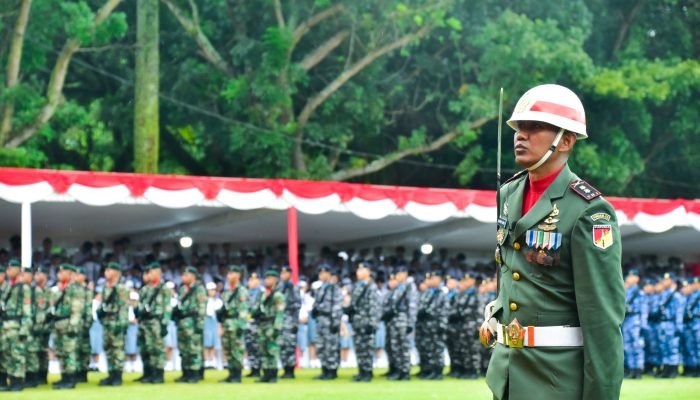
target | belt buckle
[{"x": 515, "y": 334}]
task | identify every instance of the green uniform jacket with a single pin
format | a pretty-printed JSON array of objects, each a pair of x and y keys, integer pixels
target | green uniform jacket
[
  {"x": 234, "y": 312},
  {"x": 155, "y": 303},
  {"x": 40, "y": 309},
  {"x": 192, "y": 307},
  {"x": 17, "y": 308},
  {"x": 271, "y": 311},
  {"x": 114, "y": 310},
  {"x": 583, "y": 288},
  {"x": 68, "y": 304}
]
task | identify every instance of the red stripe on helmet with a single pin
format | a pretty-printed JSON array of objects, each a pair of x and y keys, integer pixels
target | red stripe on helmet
[{"x": 560, "y": 110}]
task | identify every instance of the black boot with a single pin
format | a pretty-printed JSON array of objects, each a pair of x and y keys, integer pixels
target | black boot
[
  {"x": 200, "y": 375},
  {"x": 390, "y": 371},
  {"x": 30, "y": 380},
  {"x": 469, "y": 373},
  {"x": 331, "y": 374},
  {"x": 43, "y": 377},
  {"x": 272, "y": 375},
  {"x": 265, "y": 378},
  {"x": 324, "y": 374},
  {"x": 254, "y": 373},
  {"x": 363, "y": 376},
  {"x": 626, "y": 374},
  {"x": 358, "y": 377},
  {"x": 108, "y": 380},
  {"x": 636, "y": 373},
  {"x": 16, "y": 385},
  {"x": 185, "y": 376},
  {"x": 117, "y": 378},
  {"x": 288, "y": 373},
  {"x": 3, "y": 381},
  {"x": 403, "y": 376},
  {"x": 235, "y": 375},
  {"x": 671, "y": 372},
  {"x": 437, "y": 374},
  {"x": 659, "y": 371},
  {"x": 81, "y": 376},
  {"x": 648, "y": 369},
  {"x": 156, "y": 376},
  {"x": 147, "y": 375},
  {"x": 688, "y": 372},
  {"x": 195, "y": 376},
  {"x": 67, "y": 382},
  {"x": 228, "y": 378}
]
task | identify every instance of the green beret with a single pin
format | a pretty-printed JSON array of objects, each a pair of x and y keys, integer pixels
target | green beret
[
  {"x": 80, "y": 270},
  {"x": 67, "y": 267},
  {"x": 192, "y": 270},
  {"x": 272, "y": 272},
  {"x": 235, "y": 268},
  {"x": 28, "y": 269},
  {"x": 41, "y": 269},
  {"x": 3, "y": 268},
  {"x": 153, "y": 265},
  {"x": 14, "y": 263},
  {"x": 115, "y": 266}
]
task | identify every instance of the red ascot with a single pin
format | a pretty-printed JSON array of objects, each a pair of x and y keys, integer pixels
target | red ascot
[{"x": 534, "y": 190}]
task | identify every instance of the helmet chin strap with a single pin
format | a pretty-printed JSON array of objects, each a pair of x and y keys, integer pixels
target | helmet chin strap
[{"x": 549, "y": 152}]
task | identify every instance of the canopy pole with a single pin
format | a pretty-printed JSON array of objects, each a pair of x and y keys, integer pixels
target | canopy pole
[
  {"x": 293, "y": 242},
  {"x": 26, "y": 234}
]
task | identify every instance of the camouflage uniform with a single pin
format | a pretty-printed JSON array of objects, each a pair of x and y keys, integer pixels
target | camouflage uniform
[
  {"x": 3, "y": 372},
  {"x": 67, "y": 305},
  {"x": 252, "y": 347},
  {"x": 114, "y": 316},
  {"x": 364, "y": 317},
  {"x": 465, "y": 317},
  {"x": 399, "y": 316},
  {"x": 38, "y": 343},
  {"x": 189, "y": 315},
  {"x": 452, "y": 341},
  {"x": 16, "y": 329},
  {"x": 270, "y": 316},
  {"x": 436, "y": 316},
  {"x": 232, "y": 317},
  {"x": 422, "y": 334},
  {"x": 288, "y": 348},
  {"x": 84, "y": 348},
  {"x": 154, "y": 313},
  {"x": 328, "y": 311}
]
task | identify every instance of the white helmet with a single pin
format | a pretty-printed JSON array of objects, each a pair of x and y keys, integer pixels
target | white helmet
[{"x": 553, "y": 104}]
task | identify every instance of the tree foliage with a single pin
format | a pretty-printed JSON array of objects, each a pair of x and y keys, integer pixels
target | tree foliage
[{"x": 366, "y": 90}]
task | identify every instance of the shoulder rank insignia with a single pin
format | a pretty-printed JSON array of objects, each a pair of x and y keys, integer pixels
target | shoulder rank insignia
[
  {"x": 583, "y": 189},
  {"x": 516, "y": 176}
]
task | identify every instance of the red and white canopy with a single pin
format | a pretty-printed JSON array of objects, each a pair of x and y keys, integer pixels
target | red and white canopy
[{"x": 369, "y": 202}]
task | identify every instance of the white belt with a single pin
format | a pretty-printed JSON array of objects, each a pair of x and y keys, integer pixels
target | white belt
[{"x": 542, "y": 336}]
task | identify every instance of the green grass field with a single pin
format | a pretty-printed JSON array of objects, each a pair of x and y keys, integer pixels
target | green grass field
[{"x": 306, "y": 388}]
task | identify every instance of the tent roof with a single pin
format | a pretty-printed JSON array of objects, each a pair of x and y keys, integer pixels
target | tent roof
[{"x": 250, "y": 211}]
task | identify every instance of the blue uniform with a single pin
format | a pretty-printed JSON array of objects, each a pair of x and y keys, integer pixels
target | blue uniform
[
  {"x": 652, "y": 345},
  {"x": 635, "y": 321},
  {"x": 691, "y": 332},
  {"x": 670, "y": 328}
]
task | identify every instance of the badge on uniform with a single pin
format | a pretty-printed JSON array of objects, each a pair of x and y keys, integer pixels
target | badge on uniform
[
  {"x": 544, "y": 245},
  {"x": 602, "y": 236}
]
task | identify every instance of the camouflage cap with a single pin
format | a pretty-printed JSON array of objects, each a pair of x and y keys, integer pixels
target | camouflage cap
[
  {"x": 235, "y": 268},
  {"x": 272, "y": 272},
  {"x": 14, "y": 263},
  {"x": 191, "y": 270},
  {"x": 67, "y": 267}
]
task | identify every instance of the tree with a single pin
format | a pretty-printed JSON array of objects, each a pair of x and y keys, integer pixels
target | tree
[{"x": 146, "y": 125}]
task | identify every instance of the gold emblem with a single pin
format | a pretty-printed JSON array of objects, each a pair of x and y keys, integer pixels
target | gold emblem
[
  {"x": 555, "y": 211},
  {"x": 497, "y": 256},
  {"x": 516, "y": 334},
  {"x": 501, "y": 236},
  {"x": 487, "y": 339},
  {"x": 551, "y": 220},
  {"x": 547, "y": 228}
]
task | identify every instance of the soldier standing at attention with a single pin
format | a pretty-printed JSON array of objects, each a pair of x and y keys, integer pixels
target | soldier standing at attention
[
  {"x": 113, "y": 314},
  {"x": 364, "y": 317},
  {"x": 84, "y": 348},
  {"x": 436, "y": 316},
  {"x": 386, "y": 316},
  {"x": 189, "y": 315},
  {"x": 3, "y": 288},
  {"x": 422, "y": 335},
  {"x": 154, "y": 315},
  {"x": 452, "y": 326},
  {"x": 67, "y": 308},
  {"x": 652, "y": 341},
  {"x": 252, "y": 347},
  {"x": 139, "y": 313},
  {"x": 635, "y": 319},
  {"x": 691, "y": 330},
  {"x": 38, "y": 344},
  {"x": 400, "y": 316},
  {"x": 328, "y": 310},
  {"x": 288, "y": 349},
  {"x": 561, "y": 298},
  {"x": 466, "y": 313},
  {"x": 270, "y": 316},
  {"x": 233, "y": 319},
  {"x": 670, "y": 329},
  {"x": 16, "y": 326}
]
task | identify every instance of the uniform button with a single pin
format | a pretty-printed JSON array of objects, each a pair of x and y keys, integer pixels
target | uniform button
[
  {"x": 513, "y": 306},
  {"x": 516, "y": 246},
  {"x": 516, "y": 276}
]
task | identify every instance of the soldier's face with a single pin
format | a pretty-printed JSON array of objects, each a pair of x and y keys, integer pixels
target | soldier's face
[
  {"x": 2, "y": 277},
  {"x": 40, "y": 278},
  {"x": 533, "y": 139},
  {"x": 401, "y": 276},
  {"x": 324, "y": 276},
  {"x": 362, "y": 274},
  {"x": 12, "y": 272},
  {"x": 187, "y": 278},
  {"x": 270, "y": 281},
  {"x": 27, "y": 277},
  {"x": 146, "y": 277},
  {"x": 285, "y": 275},
  {"x": 233, "y": 277}
]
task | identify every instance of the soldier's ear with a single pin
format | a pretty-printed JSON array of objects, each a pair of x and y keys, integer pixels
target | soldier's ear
[{"x": 567, "y": 142}]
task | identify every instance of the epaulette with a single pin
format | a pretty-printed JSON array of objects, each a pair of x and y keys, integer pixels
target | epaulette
[
  {"x": 583, "y": 189},
  {"x": 516, "y": 176}
]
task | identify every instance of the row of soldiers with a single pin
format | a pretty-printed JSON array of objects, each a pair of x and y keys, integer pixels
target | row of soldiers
[
  {"x": 261, "y": 322},
  {"x": 661, "y": 329}
]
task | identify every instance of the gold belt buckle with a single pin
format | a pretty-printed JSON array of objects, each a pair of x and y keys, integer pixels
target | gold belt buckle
[{"x": 515, "y": 334}]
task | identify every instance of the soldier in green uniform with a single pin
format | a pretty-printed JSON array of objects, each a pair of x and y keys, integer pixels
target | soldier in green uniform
[
  {"x": 38, "y": 343},
  {"x": 66, "y": 312},
  {"x": 84, "y": 349},
  {"x": 154, "y": 312},
  {"x": 270, "y": 317},
  {"x": 233, "y": 319},
  {"x": 561, "y": 297},
  {"x": 189, "y": 315},
  {"x": 114, "y": 316},
  {"x": 16, "y": 326}
]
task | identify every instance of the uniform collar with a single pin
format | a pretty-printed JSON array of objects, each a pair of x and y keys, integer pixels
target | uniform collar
[{"x": 543, "y": 207}]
